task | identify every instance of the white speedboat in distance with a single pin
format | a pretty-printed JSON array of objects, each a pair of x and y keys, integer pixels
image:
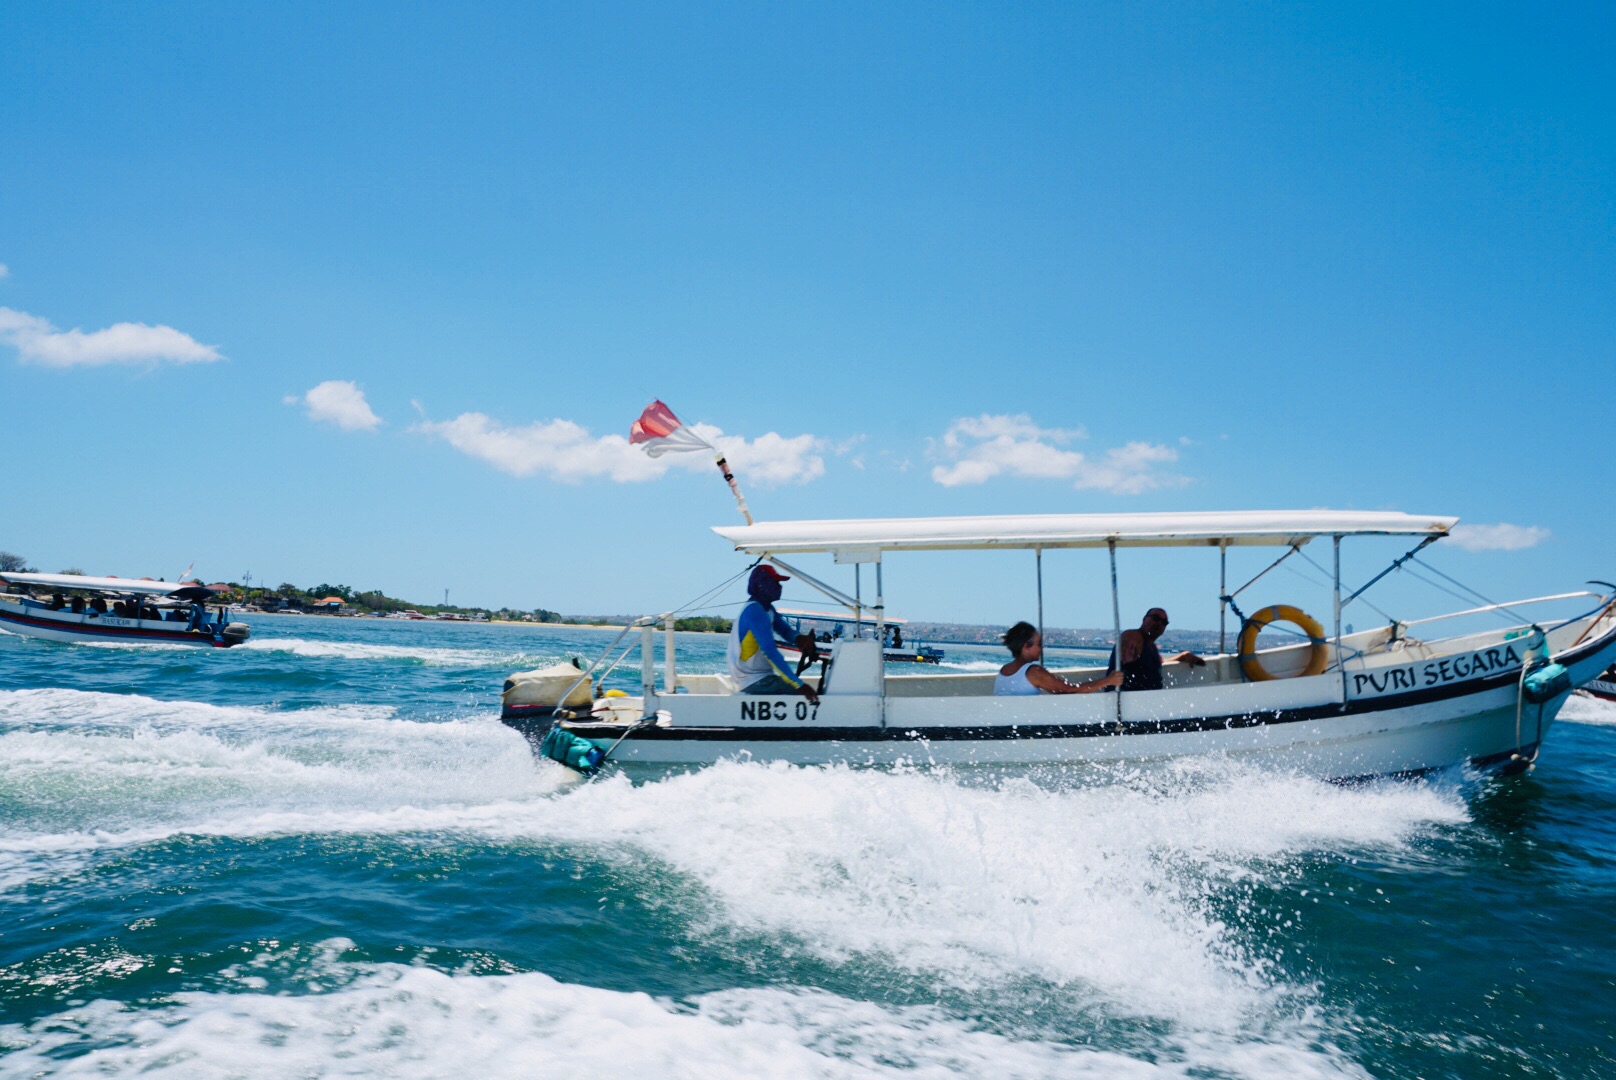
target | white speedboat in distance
[
  {"x": 1604, "y": 686},
  {"x": 829, "y": 627},
  {"x": 77, "y": 608},
  {"x": 1333, "y": 705}
]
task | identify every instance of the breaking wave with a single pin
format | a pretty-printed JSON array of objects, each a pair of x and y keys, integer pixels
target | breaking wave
[{"x": 403, "y": 1021}]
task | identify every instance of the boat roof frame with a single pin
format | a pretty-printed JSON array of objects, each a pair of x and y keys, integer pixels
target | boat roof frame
[
  {"x": 829, "y": 616},
  {"x": 858, "y": 539},
  {"x": 115, "y": 585}
]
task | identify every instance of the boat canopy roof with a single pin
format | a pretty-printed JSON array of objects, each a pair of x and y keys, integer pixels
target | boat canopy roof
[
  {"x": 106, "y": 584},
  {"x": 832, "y": 616},
  {"x": 1235, "y": 528}
]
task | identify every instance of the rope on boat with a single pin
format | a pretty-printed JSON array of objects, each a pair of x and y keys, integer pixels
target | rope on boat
[
  {"x": 1540, "y": 682},
  {"x": 1355, "y": 596},
  {"x": 645, "y": 722},
  {"x": 701, "y": 601}
]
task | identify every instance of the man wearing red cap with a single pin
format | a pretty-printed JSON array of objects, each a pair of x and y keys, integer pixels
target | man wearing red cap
[{"x": 755, "y": 662}]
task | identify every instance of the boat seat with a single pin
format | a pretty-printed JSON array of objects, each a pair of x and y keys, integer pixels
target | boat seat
[
  {"x": 857, "y": 667},
  {"x": 717, "y": 683}
]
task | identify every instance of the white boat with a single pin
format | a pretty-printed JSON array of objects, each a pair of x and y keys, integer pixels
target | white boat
[
  {"x": 1335, "y": 705},
  {"x": 77, "y": 608}
]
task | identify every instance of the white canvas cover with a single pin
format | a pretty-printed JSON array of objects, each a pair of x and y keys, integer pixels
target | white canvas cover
[
  {"x": 1235, "y": 528},
  {"x": 96, "y": 584},
  {"x": 544, "y": 686}
]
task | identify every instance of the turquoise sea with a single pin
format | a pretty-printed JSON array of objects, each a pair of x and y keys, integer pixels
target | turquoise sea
[{"x": 321, "y": 855}]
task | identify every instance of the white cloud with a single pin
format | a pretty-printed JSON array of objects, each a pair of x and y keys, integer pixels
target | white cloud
[
  {"x": 565, "y": 451},
  {"x": 977, "y": 449},
  {"x": 339, "y": 402},
  {"x": 1500, "y": 537},
  {"x": 38, "y": 342},
  {"x": 5, "y": 271}
]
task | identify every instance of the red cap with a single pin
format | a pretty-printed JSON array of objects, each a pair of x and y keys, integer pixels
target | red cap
[{"x": 765, "y": 568}]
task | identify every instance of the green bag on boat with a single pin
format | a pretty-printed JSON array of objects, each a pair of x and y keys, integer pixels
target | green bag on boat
[{"x": 573, "y": 751}]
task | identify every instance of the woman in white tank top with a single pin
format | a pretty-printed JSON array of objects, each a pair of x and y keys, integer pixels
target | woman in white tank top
[{"x": 1026, "y": 674}]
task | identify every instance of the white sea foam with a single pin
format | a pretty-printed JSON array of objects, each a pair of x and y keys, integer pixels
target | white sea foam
[
  {"x": 80, "y": 771},
  {"x": 393, "y": 1020},
  {"x": 1582, "y": 709},
  {"x": 1103, "y": 891},
  {"x": 1115, "y": 897},
  {"x": 428, "y": 655},
  {"x": 971, "y": 665}
]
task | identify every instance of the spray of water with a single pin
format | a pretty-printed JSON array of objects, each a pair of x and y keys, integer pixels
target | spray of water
[{"x": 1114, "y": 898}]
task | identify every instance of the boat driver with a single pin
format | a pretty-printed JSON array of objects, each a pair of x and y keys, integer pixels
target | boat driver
[
  {"x": 1141, "y": 661},
  {"x": 755, "y": 662}
]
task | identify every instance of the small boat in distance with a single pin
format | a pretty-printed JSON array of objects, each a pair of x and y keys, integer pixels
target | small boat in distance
[
  {"x": 1604, "y": 686},
  {"x": 829, "y": 627},
  {"x": 77, "y": 608}
]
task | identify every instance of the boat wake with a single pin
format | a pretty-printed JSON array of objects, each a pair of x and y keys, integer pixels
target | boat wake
[
  {"x": 427, "y": 655},
  {"x": 971, "y": 665},
  {"x": 1128, "y": 908},
  {"x": 418, "y": 1022},
  {"x": 1582, "y": 709}
]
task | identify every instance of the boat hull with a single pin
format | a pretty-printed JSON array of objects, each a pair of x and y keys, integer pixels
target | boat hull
[
  {"x": 1437, "y": 712},
  {"x": 101, "y": 629}
]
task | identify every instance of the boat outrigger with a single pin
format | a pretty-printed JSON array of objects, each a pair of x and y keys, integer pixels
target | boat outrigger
[
  {"x": 1334, "y": 704},
  {"x": 77, "y": 608}
]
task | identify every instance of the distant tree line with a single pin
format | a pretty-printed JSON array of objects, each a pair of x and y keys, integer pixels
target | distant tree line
[
  {"x": 712, "y": 624},
  {"x": 10, "y": 562}
]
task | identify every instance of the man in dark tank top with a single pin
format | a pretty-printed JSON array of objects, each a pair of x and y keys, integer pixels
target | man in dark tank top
[{"x": 1141, "y": 660}]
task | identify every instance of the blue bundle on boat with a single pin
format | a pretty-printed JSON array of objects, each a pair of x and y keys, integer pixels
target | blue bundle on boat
[
  {"x": 1546, "y": 683},
  {"x": 573, "y": 751}
]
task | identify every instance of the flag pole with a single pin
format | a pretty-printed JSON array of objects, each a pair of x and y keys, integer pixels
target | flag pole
[
  {"x": 662, "y": 432},
  {"x": 735, "y": 489}
]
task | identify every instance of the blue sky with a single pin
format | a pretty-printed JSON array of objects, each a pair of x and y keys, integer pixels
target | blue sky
[{"x": 957, "y": 258}]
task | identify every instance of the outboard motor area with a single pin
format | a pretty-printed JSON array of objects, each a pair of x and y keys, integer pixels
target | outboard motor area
[{"x": 235, "y": 633}]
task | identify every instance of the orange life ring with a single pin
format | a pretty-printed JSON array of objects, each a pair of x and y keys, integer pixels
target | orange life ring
[{"x": 1318, "y": 659}]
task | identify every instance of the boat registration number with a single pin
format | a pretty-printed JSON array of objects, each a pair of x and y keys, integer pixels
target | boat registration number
[{"x": 799, "y": 709}]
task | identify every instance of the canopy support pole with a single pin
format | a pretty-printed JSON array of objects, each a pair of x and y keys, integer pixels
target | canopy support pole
[
  {"x": 1038, "y": 558},
  {"x": 1340, "y": 662},
  {"x": 670, "y": 681},
  {"x": 880, "y": 610},
  {"x": 1223, "y": 595},
  {"x": 1292, "y": 550},
  {"x": 835, "y": 594},
  {"x": 858, "y": 600},
  {"x": 1116, "y": 623},
  {"x": 648, "y": 665}
]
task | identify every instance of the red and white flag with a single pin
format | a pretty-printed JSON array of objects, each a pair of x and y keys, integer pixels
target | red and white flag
[{"x": 660, "y": 432}]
